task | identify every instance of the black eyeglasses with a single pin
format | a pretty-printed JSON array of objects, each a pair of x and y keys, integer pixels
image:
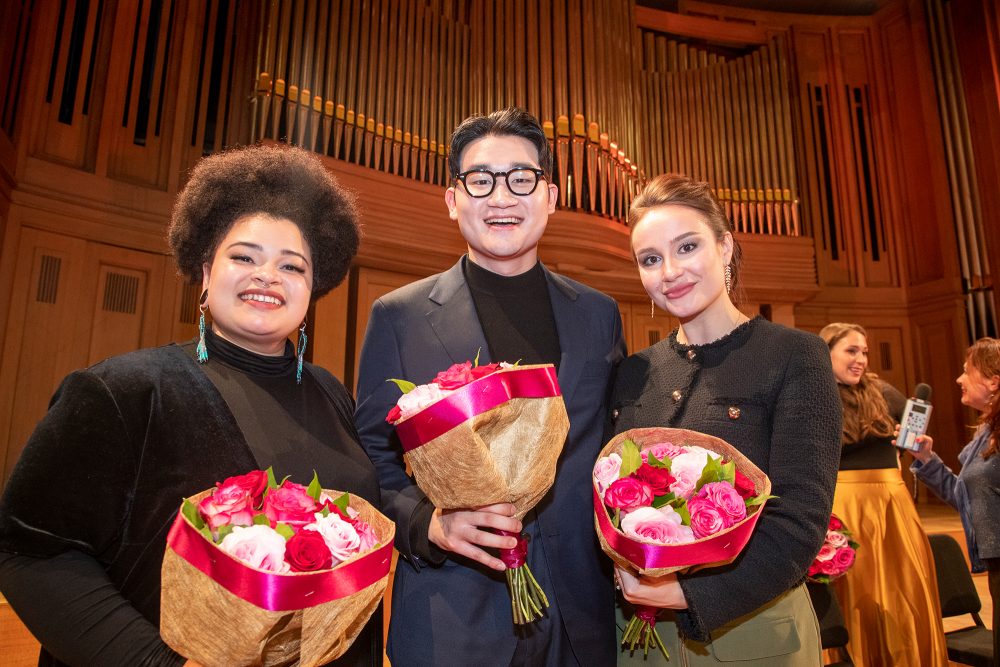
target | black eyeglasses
[{"x": 521, "y": 181}]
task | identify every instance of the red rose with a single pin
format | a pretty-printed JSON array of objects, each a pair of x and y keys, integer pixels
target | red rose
[
  {"x": 835, "y": 523},
  {"x": 306, "y": 551},
  {"x": 844, "y": 558},
  {"x": 290, "y": 504},
  {"x": 483, "y": 371},
  {"x": 744, "y": 486},
  {"x": 253, "y": 483},
  {"x": 628, "y": 493},
  {"x": 394, "y": 415},
  {"x": 659, "y": 479},
  {"x": 829, "y": 567},
  {"x": 814, "y": 568},
  {"x": 458, "y": 375}
]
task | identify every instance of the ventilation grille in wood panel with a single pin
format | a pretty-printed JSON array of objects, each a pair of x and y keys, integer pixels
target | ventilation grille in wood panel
[
  {"x": 120, "y": 293},
  {"x": 654, "y": 336},
  {"x": 189, "y": 304},
  {"x": 48, "y": 279},
  {"x": 885, "y": 354}
]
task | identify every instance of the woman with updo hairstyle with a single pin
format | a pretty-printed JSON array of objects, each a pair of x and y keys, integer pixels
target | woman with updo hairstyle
[
  {"x": 889, "y": 596},
  {"x": 85, "y": 515},
  {"x": 765, "y": 389},
  {"x": 975, "y": 490}
]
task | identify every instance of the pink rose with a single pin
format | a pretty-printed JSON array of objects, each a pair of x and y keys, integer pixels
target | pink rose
[
  {"x": 458, "y": 375},
  {"x": 706, "y": 517},
  {"x": 685, "y": 480},
  {"x": 366, "y": 535},
  {"x": 257, "y": 546},
  {"x": 395, "y": 414},
  {"x": 844, "y": 558},
  {"x": 662, "y": 450},
  {"x": 727, "y": 499},
  {"x": 339, "y": 535},
  {"x": 628, "y": 493},
  {"x": 290, "y": 504},
  {"x": 687, "y": 468},
  {"x": 662, "y": 526},
  {"x": 254, "y": 483},
  {"x": 829, "y": 567},
  {"x": 419, "y": 398},
  {"x": 826, "y": 552},
  {"x": 659, "y": 479},
  {"x": 606, "y": 471},
  {"x": 230, "y": 505},
  {"x": 835, "y": 539},
  {"x": 835, "y": 523}
]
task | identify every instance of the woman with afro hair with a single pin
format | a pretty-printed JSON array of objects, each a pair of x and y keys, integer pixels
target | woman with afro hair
[{"x": 85, "y": 515}]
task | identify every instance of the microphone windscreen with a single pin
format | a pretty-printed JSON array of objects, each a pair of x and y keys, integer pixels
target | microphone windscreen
[{"x": 923, "y": 392}]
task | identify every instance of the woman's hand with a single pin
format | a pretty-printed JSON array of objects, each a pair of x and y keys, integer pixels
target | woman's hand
[
  {"x": 926, "y": 451},
  {"x": 464, "y": 532},
  {"x": 664, "y": 592}
]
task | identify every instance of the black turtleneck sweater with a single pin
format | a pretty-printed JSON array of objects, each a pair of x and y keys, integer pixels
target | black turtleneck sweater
[
  {"x": 516, "y": 315},
  {"x": 294, "y": 428}
]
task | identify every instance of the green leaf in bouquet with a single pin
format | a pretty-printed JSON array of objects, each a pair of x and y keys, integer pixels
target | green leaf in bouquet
[
  {"x": 315, "y": 488},
  {"x": 272, "y": 483},
  {"x": 758, "y": 500},
  {"x": 222, "y": 532},
  {"x": 342, "y": 502},
  {"x": 665, "y": 463},
  {"x": 617, "y": 518},
  {"x": 729, "y": 472},
  {"x": 681, "y": 507},
  {"x": 284, "y": 530},
  {"x": 712, "y": 472},
  {"x": 475, "y": 362},
  {"x": 204, "y": 530},
  {"x": 405, "y": 386},
  {"x": 631, "y": 459},
  {"x": 190, "y": 511},
  {"x": 261, "y": 520},
  {"x": 665, "y": 499}
]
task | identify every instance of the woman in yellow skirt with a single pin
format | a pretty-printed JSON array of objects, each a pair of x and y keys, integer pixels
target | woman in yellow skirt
[{"x": 889, "y": 597}]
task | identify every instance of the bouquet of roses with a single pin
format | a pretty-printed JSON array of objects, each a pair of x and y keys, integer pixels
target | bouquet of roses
[
  {"x": 257, "y": 572},
  {"x": 480, "y": 435},
  {"x": 667, "y": 500},
  {"x": 836, "y": 556}
]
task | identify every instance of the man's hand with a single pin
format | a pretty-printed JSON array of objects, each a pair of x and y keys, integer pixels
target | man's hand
[{"x": 464, "y": 532}]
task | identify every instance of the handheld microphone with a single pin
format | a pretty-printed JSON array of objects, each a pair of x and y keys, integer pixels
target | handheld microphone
[{"x": 915, "y": 418}]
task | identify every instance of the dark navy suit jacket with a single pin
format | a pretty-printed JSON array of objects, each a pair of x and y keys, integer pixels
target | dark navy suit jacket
[{"x": 458, "y": 612}]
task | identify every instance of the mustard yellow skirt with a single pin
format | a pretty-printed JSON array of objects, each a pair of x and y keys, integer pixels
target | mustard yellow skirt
[{"x": 889, "y": 597}]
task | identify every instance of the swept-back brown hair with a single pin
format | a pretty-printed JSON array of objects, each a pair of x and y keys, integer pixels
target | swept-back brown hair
[
  {"x": 865, "y": 410},
  {"x": 984, "y": 356}
]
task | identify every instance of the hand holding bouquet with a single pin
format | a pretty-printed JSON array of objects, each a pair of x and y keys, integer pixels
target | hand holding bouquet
[
  {"x": 836, "y": 556},
  {"x": 669, "y": 500},
  {"x": 481, "y": 435},
  {"x": 257, "y": 572}
]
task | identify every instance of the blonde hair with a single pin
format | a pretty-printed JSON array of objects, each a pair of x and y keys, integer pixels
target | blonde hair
[{"x": 865, "y": 409}]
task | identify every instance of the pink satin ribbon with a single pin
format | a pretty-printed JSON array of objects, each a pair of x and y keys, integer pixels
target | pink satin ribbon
[
  {"x": 516, "y": 557},
  {"x": 476, "y": 398},
  {"x": 276, "y": 592},
  {"x": 720, "y": 547}
]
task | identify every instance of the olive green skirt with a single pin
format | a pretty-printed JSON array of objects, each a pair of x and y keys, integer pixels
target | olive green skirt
[{"x": 782, "y": 633}]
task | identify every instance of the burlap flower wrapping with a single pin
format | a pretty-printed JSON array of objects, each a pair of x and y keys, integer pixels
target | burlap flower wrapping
[
  {"x": 202, "y": 620},
  {"x": 487, "y": 442},
  {"x": 652, "y": 559}
]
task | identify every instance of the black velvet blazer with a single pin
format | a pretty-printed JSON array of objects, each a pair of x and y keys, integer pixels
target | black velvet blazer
[{"x": 122, "y": 443}]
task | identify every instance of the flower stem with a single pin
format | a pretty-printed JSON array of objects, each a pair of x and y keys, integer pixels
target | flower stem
[
  {"x": 528, "y": 600},
  {"x": 642, "y": 633}
]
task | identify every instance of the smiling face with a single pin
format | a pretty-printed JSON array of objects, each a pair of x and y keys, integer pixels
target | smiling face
[
  {"x": 681, "y": 263},
  {"x": 259, "y": 283},
  {"x": 849, "y": 357},
  {"x": 977, "y": 389},
  {"x": 502, "y": 229}
]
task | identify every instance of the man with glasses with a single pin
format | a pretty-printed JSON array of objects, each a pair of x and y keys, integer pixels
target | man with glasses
[{"x": 450, "y": 602}]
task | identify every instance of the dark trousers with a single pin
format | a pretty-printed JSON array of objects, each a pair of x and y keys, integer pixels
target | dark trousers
[{"x": 993, "y": 568}]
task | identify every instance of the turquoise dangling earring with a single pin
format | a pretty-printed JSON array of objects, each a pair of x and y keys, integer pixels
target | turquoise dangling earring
[
  {"x": 202, "y": 349},
  {"x": 303, "y": 339}
]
